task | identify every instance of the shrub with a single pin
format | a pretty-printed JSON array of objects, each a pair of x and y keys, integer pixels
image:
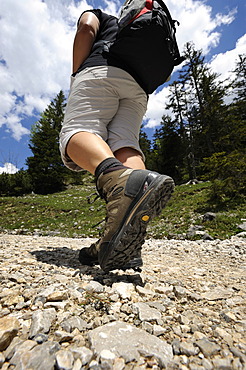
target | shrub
[
  {"x": 15, "y": 184},
  {"x": 227, "y": 173}
]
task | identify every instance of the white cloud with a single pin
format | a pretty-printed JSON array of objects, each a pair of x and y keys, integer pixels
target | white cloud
[
  {"x": 112, "y": 7},
  {"x": 7, "y": 103},
  {"x": 156, "y": 107},
  {"x": 224, "y": 63},
  {"x": 36, "y": 50},
  {"x": 39, "y": 103},
  {"x": 16, "y": 128},
  {"x": 8, "y": 168},
  {"x": 197, "y": 23},
  {"x": 34, "y": 45},
  {"x": 75, "y": 9}
]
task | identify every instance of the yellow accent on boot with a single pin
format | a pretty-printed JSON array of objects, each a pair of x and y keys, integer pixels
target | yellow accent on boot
[{"x": 145, "y": 218}]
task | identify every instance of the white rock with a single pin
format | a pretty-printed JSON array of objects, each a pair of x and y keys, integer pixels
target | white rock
[
  {"x": 124, "y": 290},
  {"x": 64, "y": 360}
]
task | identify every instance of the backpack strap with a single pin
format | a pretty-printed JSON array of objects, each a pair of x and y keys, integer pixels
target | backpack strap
[
  {"x": 178, "y": 58},
  {"x": 165, "y": 8}
]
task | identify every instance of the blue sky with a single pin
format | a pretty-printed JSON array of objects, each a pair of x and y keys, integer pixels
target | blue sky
[{"x": 36, "y": 49}]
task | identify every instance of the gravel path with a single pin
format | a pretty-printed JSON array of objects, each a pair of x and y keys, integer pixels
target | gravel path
[{"x": 184, "y": 310}]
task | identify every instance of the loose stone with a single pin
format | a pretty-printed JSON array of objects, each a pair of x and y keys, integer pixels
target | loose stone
[
  {"x": 207, "y": 347},
  {"x": 118, "y": 338},
  {"x": 145, "y": 312},
  {"x": 64, "y": 360},
  {"x": 9, "y": 327},
  {"x": 41, "y": 321}
]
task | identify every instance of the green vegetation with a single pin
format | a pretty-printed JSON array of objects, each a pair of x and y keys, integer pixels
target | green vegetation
[
  {"x": 45, "y": 167},
  {"x": 187, "y": 207},
  {"x": 69, "y": 214}
]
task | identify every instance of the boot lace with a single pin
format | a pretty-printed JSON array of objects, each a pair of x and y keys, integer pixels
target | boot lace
[{"x": 92, "y": 198}]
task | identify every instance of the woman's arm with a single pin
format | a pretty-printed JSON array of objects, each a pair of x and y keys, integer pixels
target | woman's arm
[{"x": 84, "y": 38}]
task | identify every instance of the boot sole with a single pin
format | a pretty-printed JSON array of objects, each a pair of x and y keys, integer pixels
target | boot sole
[
  {"x": 86, "y": 260},
  {"x": 130, "y": 236}
]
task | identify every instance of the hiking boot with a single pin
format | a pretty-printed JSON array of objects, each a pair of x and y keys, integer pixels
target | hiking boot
[
  {"x": 89, "y": 256},
  {"x": 133, "y": 198}
]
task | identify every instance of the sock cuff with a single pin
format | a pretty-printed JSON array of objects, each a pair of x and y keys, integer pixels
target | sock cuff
[{"x": 105, "y": 164}]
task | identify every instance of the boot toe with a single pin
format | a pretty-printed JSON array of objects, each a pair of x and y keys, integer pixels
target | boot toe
[{"x": 86, "y": 259}]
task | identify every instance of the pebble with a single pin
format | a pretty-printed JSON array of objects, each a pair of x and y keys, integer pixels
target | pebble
[
  {"x": 64, "y": 359},
  {"x": 74, "y": 322},
  {"x": 145, "y": 312},
  {"x": 9, "y": 327},
  {"x": 207, "y": 347},
  {"x": 41, "y": 321},
  {"x": 184, "y": 310}
]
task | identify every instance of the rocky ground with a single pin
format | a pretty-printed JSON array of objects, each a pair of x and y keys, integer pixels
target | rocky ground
[{"x": 185, "y": 310}]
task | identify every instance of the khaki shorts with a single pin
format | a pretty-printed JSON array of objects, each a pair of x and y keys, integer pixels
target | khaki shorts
[{"x": 105, "y": 101}]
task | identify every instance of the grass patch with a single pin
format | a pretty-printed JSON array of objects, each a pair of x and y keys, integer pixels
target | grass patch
[
  {"x": 187, "y": 207},
  {"x": 66, "y": 213},
  {"x": 69, "y": 214}
]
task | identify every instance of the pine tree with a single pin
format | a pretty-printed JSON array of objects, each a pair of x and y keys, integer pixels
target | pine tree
[
  {"x": 178, "y": 103},
  {"x": 168, "y": 151},
  {"x": 45, "y": 166},
  {"x": 201, "y": 97},
  {"x": 239, "y": 82},
  {"x": 237, "y": 110},
  {"x": 227, "y": 168},
  {"x": 145, "y": 145}
]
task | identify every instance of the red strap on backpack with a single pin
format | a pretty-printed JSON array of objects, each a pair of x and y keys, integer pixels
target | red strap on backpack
[{"x": 148, "y": 6}]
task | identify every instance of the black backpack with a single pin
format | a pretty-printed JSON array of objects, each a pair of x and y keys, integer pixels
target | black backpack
[{"x": 146, "y": 44}]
